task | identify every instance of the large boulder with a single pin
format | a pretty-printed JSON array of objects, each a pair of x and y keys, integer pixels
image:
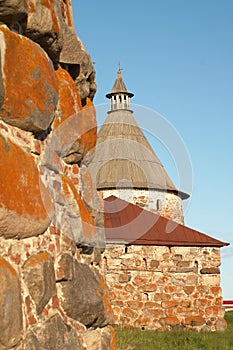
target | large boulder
[
  {"x": 53, "y": 334},
  {"x": 28, "y": 87},
  {"x": 83, "y": 296},
  {"x": 39, "y": 277},
  {"x": 77, "y": 131},
  {"x": 23, "y": 198},
  {"x": 45, "y": 25},
  {"x": 11, "y": 320}
]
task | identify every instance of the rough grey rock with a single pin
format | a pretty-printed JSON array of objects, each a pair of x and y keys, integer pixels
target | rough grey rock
[
  {"x": 78, "y": 63},
  {"x": 12, "y": 10},
  {"x": 83, "y": 297},
  {"x": 39, "y": 277},
  {"x": 11, "y": 322},
  {"x": 99, "y": 339},
  {"x": 64, "y": 270},
  {"x": 52, "y": 335},
  {"x": 45, "y": 26}
]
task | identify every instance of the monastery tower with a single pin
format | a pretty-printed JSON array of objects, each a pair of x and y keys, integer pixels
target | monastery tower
[{"x": 126, "y": 166}]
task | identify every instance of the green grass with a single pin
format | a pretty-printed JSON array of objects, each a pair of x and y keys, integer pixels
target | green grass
[{"x": 129, "y": 339}]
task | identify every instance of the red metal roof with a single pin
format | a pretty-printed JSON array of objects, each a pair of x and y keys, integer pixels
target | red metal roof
[{"x": 128, "y": 223}]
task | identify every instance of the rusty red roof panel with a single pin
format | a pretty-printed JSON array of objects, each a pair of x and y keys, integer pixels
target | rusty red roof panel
[{"x": 128, "y": 223}]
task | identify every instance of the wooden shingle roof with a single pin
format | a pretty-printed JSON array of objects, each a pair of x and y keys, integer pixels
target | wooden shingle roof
[{"x": 124, "y": 158}]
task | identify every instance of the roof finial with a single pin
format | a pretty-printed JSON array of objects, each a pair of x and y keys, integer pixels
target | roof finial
[{"x": 119, "y": 70}]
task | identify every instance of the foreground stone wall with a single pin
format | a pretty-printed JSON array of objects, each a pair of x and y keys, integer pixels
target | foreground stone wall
[
  {"x": 53, "y": 295},
  {"x": 165, "y": 288},
  {"x": 166, "y": 204}
]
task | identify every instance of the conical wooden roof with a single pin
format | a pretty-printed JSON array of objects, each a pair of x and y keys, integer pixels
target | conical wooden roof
[{"x": 123, "y": 157}]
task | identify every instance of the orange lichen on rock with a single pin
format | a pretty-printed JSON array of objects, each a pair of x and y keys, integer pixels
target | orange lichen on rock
[
  {"x": 69, "y": 99},
  {"x": 31, "y": 92},
  {"x": 67, "y": 13},
  {"x": 49, "y": 4},
  {"x": 77, "y": 125},
  {"x": 36, "y": 259},
  {"x": 89, "y": 228},
  {"x": 5, "y": 265},
  {"x": 22, "y": 209},
  {"x": 89, "y": 127}
]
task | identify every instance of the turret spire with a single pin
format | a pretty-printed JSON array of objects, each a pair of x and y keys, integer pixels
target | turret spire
[{"x": 119, "y": 96}]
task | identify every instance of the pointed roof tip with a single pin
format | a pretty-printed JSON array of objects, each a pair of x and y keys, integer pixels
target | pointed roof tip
[{"x": 119, "y": 86}]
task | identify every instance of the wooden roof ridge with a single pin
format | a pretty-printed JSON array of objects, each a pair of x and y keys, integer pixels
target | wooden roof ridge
[{"x": 126, "y": 223}]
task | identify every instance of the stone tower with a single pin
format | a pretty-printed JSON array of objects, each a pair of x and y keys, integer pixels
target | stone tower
[{"x": 125, "y": 164}]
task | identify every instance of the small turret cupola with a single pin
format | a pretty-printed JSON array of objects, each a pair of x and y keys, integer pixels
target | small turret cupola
[{"x": 119, "y": 96}]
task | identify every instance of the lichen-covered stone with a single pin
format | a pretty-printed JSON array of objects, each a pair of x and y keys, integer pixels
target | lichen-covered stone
[
  {"x": 67, "y": 13},
  {"x": 81, "y": 224},
  {"x": 22, "y": 208},
  {"x": 53, "y": 334},
  {"x": 76, "y": 127},
  {"x": 39, "y": 277},
  {"x": 93, "y": 202},
  {"x": 12, "y": 10},
  {"x": 11, "y": 321},
  {"x": 82, "y": 297},
  {"x": 45, "y": 25},
  {"x": 30, "y": 86},
  {"x": 47, "y": 222}
]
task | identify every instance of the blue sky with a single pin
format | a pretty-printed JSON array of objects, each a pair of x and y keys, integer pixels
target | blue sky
[{"x": 177, "y": 58}]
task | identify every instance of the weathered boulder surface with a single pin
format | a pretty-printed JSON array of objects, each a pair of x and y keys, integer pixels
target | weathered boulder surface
[
  {"x": 45, "y": 25},
  {"x": 77, "y": 126},
  {"x": 30, "y": 92},
  {"x": 79, "y": 64},
  {"x": 11, "y": 321},
  {"x": 82, "y": 297},
  {"x": 54, "y": 334},
  {"x": 64, "y": 271},
  {"x": 39, "y": 277},
  {"x": 12, "y": 10},
  {"x": 22, "y": 209},
  {"x": 100, "y": 339},
  {"x": 80, "y": 221}
]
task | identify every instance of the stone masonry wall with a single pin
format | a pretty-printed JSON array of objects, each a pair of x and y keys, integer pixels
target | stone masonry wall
[
  {"x": 53, "y": 295},
  {"x": 162, "y": 288},
  {"x": 166, "y": 204}
]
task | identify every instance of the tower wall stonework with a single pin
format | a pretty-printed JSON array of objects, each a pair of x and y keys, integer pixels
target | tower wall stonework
[
  {"x": 162, "y": 288},
  {"x": 166, "y": 204}
]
